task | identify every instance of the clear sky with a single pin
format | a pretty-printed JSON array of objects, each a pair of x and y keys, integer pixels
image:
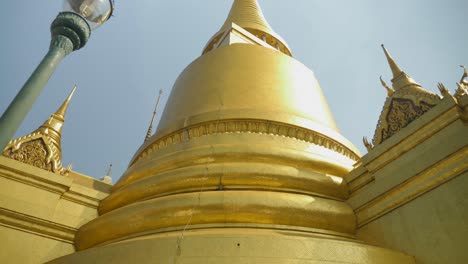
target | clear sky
[{"x": 148, "y": 43}]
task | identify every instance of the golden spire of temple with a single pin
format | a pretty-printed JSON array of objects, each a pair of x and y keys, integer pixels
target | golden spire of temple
[
  {"x": 150, "y": 128},
  {"x": 393, "y": 66},
  {"x": 248, "y": 15},
  {"x": 42, "y": 148},
  {"x": 400, "y": 78},
  {"x": 56, "y": 120}
]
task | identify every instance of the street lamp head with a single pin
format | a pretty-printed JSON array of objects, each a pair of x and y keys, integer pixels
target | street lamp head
[{"x": 95, "y": 12}]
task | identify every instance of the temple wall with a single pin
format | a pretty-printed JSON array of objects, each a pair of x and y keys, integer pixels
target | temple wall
[
  {"x": 409, "y": 193},
  {"x": 432, "y": 227},
  {"x": 41, "y": 211}
]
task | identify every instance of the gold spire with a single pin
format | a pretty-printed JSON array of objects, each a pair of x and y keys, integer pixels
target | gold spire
[
  {"x": 150, "y": 128},
  {"x": 393, "y": 66},
  {"x": 400, "y": 78},
  {"x": 57, "y": 119},
  {"x": 44, "y": 143},
  {"x": 248, "y": 15}
]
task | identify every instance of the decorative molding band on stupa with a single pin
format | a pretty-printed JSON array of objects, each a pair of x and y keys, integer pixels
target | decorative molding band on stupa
[
  {"x": 42, "y": 148},
  {"x": 248, "y": 126}
]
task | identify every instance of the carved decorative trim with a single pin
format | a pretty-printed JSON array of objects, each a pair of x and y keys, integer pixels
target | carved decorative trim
[
  {"x": 37, "y": 150},
  {"x": 400, "y": 109},
  {"x": 248, "y": 126},
  {"x": 37, "y": 226}
]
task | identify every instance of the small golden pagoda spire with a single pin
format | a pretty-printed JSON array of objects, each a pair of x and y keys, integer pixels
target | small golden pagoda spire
[
  {"x": 248, "y": 15},
  {"x": 400, "y": 78},
  {"x": 150, "y": 128},
  {"x": 42, "y": 148}
]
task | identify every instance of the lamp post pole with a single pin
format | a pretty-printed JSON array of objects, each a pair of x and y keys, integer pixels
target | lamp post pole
[{"x": 69, "y": 32}]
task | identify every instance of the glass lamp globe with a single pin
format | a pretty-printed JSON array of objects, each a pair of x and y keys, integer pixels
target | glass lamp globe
[{"x": 95, "y": 12}]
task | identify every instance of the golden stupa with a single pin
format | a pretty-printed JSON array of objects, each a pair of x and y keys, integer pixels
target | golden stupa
[
  {"x": 250, "y": 172},
  {"x": 247, "y": 165}
]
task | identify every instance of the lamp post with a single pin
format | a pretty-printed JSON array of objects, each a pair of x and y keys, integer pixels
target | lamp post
[{"x": 70, "y": 31}]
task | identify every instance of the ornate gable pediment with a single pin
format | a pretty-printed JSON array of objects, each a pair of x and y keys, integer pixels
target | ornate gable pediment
[
  {"x": 42, "y": 147},
  {"x": 400, "y": 109},
  {"x": 37, "y": 150}
]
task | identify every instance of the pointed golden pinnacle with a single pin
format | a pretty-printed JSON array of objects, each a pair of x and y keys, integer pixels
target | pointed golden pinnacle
[{"x": 393, "y": 66}]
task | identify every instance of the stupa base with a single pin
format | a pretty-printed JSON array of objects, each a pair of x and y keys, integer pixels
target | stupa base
[{"x": 237, "y": 245}]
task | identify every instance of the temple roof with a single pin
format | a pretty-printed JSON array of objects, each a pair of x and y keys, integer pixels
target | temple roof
[
  {"x": 406, "y": 101},
  {"x": 42, "y": 148},
  {"x": 248, "y": 15}
]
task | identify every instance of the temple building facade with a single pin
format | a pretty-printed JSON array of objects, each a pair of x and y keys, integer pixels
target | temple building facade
[{"x": 255, "y": 171}]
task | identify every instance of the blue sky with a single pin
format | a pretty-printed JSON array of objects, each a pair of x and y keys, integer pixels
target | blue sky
[{"x": 148, "y": 43}]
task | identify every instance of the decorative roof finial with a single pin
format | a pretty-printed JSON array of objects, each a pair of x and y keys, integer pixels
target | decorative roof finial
[
  {"x": 367, "y": 144},
  {"x": 464, "y": 76},
  {"x": 400, "y": 78},
  {"x": 393, "y": 66},
  {"x": 107, "y": 178},
  {"x": 443, "y": 91},
  {"x": 63, "y": 108},
  {"x": 46, "y": 150},
  {"x": 56, "y": 120},
  {"x": 150, "y": 128},
  {"x": 390, "y": 91},
  {"x": 462, "y": 90}
]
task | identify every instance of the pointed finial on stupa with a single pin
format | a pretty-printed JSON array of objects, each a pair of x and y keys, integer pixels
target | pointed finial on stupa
[
  {"x": 150, "y": 128},
  {"x": 400, "y": 78},
  {"x": 107, "y": 178},
  {"x": 46, "y": 139},
  {"x": 390, "y": 91},
  {"x": 248, "y": 15}
]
